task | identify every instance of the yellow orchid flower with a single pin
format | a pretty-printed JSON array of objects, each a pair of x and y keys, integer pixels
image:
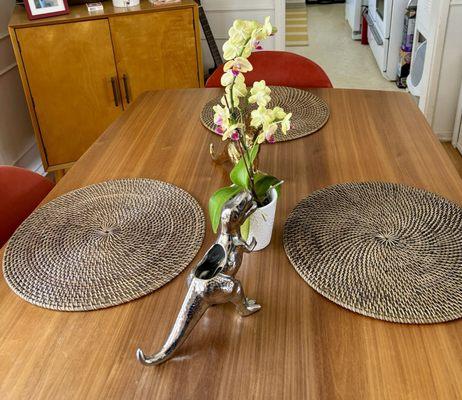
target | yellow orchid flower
[
  {"x": 231, "y": 49},
  {"x": 241, "y": 30},
  {"x": 227, "y": 78},
  {"x": 262, "y": 32},
  {"x": 278, "y": 113},
  {"x": 269, "y": 133},
  {"x": 260, "y": 94},
  {"x": 247, "y": 50},
  {"x": 285, "y": 123},
  {"x": 221, "y": 118},
  {"x": 232, "y": 132},
  {"x": 261, "y": 138},
  {"x": 260, "y": 117},
  {"x": 239, "y": 64},
  {"x": 239, "y": 89},
  {"x": 267, "y": 27}
]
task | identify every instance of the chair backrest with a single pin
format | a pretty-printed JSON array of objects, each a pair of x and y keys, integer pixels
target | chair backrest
[
  {"x": 280, "y": 68},
  {"x": 20, "y": 192}
]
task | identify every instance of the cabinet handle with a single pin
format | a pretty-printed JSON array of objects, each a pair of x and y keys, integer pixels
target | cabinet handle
[
  {"x": 127, "y": 93},
  {"x": 115, "y": 91}
]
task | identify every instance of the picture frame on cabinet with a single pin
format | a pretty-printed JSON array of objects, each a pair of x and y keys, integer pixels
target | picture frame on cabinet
[{"x": 45, "y": 8}]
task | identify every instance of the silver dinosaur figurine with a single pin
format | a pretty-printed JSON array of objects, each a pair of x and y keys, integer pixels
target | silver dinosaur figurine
[{"x": 212, "y": 281}]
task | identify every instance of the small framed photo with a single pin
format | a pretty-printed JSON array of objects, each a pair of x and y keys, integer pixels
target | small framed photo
[{"x": 45, "y": 8}]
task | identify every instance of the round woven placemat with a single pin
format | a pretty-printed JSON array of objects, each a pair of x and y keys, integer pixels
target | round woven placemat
[
  {"x": 384, "y": 250},
  {"x": 309, "y": 112},
  {"x": 104, "y": 244}
]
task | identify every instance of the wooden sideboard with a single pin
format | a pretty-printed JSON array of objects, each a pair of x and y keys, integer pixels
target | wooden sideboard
[{"x": 80, "y": 71}]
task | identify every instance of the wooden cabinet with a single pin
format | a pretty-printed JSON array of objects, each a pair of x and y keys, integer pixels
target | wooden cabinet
[
  {"x": 70, "y": 84},
  {"x": 80, "y": 72},
  {"x": 143, "y": 57}
]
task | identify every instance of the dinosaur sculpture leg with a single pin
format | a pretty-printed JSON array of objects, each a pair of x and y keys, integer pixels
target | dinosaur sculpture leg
[
  {"x": 247, "y": 247},
  {"x": 244, "y": 306}
]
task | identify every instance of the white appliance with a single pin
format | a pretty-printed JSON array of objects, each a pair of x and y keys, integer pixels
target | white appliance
[
  {"x": 386, "y": 23},
  {"x": 418, "y": 77},
  {"x": 353, "y": 14},
  {"x": 436, "y": 67}
]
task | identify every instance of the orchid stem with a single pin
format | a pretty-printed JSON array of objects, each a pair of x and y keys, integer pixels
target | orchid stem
[{"x": 249, "y": 172}]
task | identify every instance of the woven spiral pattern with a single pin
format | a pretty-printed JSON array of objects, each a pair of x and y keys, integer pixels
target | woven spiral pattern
[
  {"x": 309, "y": 112},
  {"x": 384, "y": 250},
  {"x": 104, "y": 244}
]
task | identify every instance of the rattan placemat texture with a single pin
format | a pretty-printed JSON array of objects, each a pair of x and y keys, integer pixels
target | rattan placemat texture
[
  {"x": 388, "y": 251},
  {"x": 309, "y": 112},
  {"x": 104, "y": 244}
]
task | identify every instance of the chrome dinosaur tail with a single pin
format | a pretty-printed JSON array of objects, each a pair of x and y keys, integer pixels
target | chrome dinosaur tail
[{"x": 190, "y": 313}]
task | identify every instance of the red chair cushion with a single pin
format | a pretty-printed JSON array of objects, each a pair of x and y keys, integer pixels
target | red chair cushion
[
  {"x": 20, "y": 192},
  {"x": 280, "y": 68}
]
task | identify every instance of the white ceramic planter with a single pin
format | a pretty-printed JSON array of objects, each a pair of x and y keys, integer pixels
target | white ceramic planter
[
  {"x": 125, "y": 3},
  {"x": 262, "y": 221}
]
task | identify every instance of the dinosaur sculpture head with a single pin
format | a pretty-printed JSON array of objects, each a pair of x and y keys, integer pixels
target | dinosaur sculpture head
[{"x": 235, "y": 211}]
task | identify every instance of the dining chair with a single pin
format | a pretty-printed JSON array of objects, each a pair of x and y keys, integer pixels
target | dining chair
[
  {"x": 21, "y": 191},
  {"x": 279, "y": 68}
]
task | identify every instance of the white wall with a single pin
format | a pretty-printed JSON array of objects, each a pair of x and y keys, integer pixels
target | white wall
[
  {"x": 450, "y": 76},
  {"x": 16, "y": 134},
  {"x": 440, "y": 21}
]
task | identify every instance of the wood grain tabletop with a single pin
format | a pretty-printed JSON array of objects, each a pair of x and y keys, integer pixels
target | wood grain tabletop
[{"x": 300, "y": 345}]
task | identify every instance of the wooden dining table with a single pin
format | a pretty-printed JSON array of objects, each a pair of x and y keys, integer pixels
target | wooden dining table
[{"x": 299, "y": 345}]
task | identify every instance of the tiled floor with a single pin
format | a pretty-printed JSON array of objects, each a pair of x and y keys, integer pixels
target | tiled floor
[{"x": 348, "y": 63}]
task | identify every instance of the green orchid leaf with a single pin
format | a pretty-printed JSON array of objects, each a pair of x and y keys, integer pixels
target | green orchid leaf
[
  {"x": 239, "y": 175},
  {"x": 264, "y": 182},
  {"x": 254, "y": 152},
  {"x": 216, "y": 202}
]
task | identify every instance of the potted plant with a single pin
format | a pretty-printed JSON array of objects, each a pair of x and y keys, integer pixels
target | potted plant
[{"x": 246, "y": 133}]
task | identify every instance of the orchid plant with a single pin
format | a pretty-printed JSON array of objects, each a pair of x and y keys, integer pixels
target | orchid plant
[{"x": 246, "y": 133}]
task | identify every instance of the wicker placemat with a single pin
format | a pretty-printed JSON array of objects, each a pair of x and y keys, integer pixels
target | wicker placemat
[
  {"x": 104, "y": 244},
  {"x": 309, "y": 112},
  {"x": 384, "y": 250}
]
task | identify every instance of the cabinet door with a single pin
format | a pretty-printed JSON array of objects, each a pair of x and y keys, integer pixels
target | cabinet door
[
  {"x": 155, "y": 51},
  {"x": 69, "y": 68}
]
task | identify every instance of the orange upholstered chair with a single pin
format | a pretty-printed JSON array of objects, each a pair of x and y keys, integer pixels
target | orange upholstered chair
[
  {"x": 20, "y": 192},
  {"x": 280, "y": 68}
]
